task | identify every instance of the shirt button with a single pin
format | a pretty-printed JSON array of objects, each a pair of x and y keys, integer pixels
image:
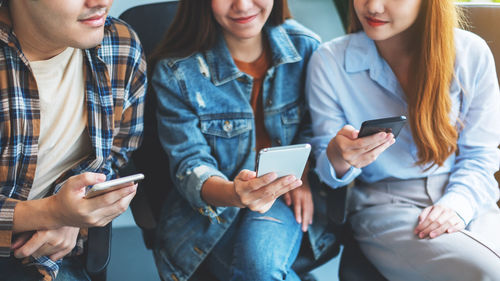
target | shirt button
[
  {"x": 269, "y": 102},
  {"x": 228, "y": 127},
  {"x": 278, "y": 141}
]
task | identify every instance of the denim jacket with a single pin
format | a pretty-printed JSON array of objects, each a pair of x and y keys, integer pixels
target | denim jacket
[{"x": 206, "y": 126}]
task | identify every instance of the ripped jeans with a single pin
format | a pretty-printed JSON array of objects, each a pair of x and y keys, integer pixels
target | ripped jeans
[{"x": 258, "y": 246}]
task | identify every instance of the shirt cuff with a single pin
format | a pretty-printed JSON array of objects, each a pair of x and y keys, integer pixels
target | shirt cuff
[
  {"x": 6, "y": 224},
  {"x": 460, "y": 204},
  {"x": 327, "y": 174},
  {"x": 193, "y": 183}
]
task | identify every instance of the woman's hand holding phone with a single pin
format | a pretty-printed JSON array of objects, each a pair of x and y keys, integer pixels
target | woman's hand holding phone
[
  {"x": 259, "y": 193},
  {"x": 346, "y": 149}
]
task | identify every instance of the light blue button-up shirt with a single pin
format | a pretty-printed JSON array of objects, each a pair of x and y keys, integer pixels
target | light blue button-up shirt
[{"x": 349, "y": 82}]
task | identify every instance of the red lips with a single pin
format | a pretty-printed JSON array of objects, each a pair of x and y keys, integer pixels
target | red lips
[
  {"x": 243, "y": 20},
  {"x": 375, "y": 22}
]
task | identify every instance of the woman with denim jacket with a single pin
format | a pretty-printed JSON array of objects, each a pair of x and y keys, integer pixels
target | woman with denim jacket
[
  {"x": 229, "y": 79},
  {"x": 423, "y": 206}
]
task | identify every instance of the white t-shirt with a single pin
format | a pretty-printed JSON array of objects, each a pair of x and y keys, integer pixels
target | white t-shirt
[{"x": 64, "y": 140}]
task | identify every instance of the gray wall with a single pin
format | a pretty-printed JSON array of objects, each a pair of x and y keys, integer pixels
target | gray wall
[{"x": 319, "y": 15}]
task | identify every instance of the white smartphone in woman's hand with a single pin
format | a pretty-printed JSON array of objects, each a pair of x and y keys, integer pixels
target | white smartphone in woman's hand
[
  {"x": 107, "y": 186},
  {"x": 283, "y": 160}
]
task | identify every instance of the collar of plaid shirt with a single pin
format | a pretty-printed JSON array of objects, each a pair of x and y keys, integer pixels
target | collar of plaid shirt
[{"x": 115, "y": 76}]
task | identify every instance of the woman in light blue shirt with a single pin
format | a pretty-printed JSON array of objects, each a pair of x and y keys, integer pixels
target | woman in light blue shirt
[{"x": 424, "y": 205}]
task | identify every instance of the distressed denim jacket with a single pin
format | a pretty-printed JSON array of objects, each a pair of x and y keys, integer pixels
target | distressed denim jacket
[{"x": 206, "y": 126}]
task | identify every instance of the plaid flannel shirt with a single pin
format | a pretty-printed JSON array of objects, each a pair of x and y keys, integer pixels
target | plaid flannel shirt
[{"x": 115, "y": 84}]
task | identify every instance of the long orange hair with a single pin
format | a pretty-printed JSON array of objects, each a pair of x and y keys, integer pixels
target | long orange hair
[{"x": 429, "y": 103}]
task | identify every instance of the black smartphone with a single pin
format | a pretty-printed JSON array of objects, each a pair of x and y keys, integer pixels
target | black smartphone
[{"x": 389, "y": 125}]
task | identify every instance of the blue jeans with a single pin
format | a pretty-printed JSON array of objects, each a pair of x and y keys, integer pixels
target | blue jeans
[
  {"x": 258, "y": 246},
  {"x": 72, "y": 269}
]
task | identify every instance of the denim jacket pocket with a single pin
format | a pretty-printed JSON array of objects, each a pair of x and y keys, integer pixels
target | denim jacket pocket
[
  {"x": 229, "y": 139},
  {"x": 290, "y": 118}
]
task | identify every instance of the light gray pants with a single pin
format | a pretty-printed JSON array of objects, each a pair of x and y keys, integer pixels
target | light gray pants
[{"x": 383, "y": 216}]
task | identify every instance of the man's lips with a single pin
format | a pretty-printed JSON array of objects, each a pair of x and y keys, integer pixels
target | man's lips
[
  {"x": 375, "y": 22},
  {"x": 244, "y": 19},
  {"x": 94, "y": 20}
]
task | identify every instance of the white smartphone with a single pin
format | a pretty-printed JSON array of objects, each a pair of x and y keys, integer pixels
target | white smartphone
[
  {"x": 283, "y": 160},
  {"x": 107, "y": 186}
]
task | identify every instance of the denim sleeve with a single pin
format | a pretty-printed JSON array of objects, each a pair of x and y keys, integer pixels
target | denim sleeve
[
  {"x": 327, "y": 115},
  {"x": 305, "y": 132},
  {"x": 472, "y": 184},
  {"x": 191, "y": 163}
]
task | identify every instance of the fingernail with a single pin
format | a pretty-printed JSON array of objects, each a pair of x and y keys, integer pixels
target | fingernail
[
  {"x": 382, "y": 135},
  {"x": 421, "y": 235},
  {"x": 290, "y": 179},
  {"x": 100, "y": 177}
]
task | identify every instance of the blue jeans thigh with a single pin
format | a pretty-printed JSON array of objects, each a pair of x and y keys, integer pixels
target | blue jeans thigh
[{"x": 258, "y": 246}]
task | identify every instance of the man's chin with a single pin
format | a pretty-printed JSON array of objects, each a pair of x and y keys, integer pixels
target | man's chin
[{"x": 88, "y": 41}]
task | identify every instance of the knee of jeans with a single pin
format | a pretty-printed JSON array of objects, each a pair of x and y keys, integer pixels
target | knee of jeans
[{"x": 261, "y": 271}]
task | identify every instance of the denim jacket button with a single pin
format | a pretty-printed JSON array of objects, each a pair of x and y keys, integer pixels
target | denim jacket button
[
  {"x": 228, "y": 127},
  {"x": 269, "y": 102},
  {"x": 278, "y": 141}
]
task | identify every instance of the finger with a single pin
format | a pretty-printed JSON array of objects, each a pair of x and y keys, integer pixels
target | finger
[
  {"x": 111, "y": 212},
  {"x": 368, "y": 143},
  {"x": 281, "y": 187},
  {"x": 375, "y": 149},
  {"x": 297, "y": 209},
  {"x": 272, "y": 190},
  {"x": 21, "y": 240},
  {"x": 31, "y": 246},
  {"x": 440, "y": 230},
  {"x": 59, "y": 255},
  {"x": 246, "y": 175},
  {"x": 258, "y": 183},
  {"x": 439, "y": 221},
  {"x": 432, "y": 214},
  {"x": 287, "y": 199},
  {"x": 79, "y": 182},
  {"x": 47, "y": 250},
  {"x": 308, "y": 212},
  {"x": 111, "y": 197},
  {"x": 348, "y": 131}
]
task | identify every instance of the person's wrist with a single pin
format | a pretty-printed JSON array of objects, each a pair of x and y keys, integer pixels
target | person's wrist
[
  {"x": 54, "y": 213},
  {"x": 235, "y": 199},
  {"x": 336, "y": 160}
]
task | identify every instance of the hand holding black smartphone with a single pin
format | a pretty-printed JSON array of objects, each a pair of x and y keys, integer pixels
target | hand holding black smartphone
[{"x": 389, "y": 125}]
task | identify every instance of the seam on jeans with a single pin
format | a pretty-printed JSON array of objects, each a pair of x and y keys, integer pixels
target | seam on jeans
[
  {"x": 472, "y": 236},
  {"x": 291, "y": 249}
]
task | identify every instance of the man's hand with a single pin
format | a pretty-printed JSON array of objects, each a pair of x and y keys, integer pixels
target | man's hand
[
  {"x": 55, "y": 243},
  {"x": 71, "y": 207},
  {"x": 436, "y": 220}
]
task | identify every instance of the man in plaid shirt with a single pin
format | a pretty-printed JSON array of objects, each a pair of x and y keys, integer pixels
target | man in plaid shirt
[{"x": 72, "y": 85}]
